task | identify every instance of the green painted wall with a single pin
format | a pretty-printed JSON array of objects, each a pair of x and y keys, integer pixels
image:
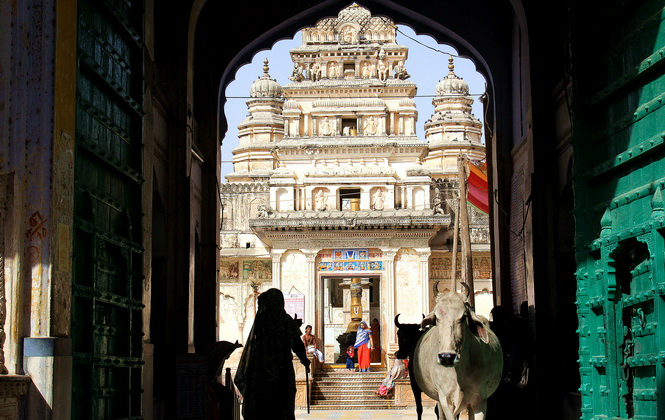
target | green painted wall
[{"x": 619, "y": 177}]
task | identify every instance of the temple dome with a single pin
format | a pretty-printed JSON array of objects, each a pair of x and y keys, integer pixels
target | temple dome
[
  {"x": 265, "y": 86},
  {"x": 452, "y": 84}
]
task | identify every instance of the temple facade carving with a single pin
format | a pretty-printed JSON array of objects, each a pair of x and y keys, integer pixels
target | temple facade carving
[{"x": 330, "y": 182}]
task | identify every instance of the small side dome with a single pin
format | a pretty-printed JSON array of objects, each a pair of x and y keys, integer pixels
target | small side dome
[
  {"x": 452, "y": 84},
  {"x": 265, "y": 86},
  {"x": 291, "y": 104}
]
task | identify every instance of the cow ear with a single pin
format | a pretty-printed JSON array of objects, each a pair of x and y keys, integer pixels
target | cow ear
[
  {"x": 428, "y": 320},
  {"x": 478, "y": 328}
]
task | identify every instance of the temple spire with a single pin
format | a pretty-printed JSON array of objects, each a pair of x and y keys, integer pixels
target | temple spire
[{"x": 265, "y": 67}]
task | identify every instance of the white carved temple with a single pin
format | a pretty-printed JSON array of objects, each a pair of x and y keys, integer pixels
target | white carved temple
[{"x": 331, "y": 183}]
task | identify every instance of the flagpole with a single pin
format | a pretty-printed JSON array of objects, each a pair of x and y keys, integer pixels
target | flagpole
[
  {"x": 455, "y": 241},
  {"x": 467, "y": 262}
]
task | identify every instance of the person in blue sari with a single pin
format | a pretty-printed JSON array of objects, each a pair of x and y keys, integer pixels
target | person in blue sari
[{"x": 363, "y": 345}]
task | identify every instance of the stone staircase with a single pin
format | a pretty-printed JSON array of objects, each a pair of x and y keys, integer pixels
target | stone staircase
[{"x": 335, "y": 388}]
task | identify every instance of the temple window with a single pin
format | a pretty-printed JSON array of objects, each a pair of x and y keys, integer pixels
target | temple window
[
  {"x": 349, "y": 126},
  {"x": 347, "y": 196},
  {"x": 349, "y": 70}
]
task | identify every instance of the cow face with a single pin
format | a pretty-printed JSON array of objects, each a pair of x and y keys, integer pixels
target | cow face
[{"x": 455, "y": 324}]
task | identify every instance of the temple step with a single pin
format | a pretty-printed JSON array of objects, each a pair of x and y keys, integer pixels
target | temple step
[{"x": 339, "y": 389}]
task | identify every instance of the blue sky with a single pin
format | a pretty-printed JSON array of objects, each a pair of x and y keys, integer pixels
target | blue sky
[{"x": 425, "y": 65}]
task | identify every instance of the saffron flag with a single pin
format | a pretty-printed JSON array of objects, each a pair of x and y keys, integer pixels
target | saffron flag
[{"x": 477, "y": 193}]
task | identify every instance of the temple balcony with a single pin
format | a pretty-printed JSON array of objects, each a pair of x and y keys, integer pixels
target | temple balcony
[{"x": 347, "y": 219}]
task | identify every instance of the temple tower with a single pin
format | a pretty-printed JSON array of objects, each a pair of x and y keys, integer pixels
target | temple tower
[{"x": 331, "y": 183}]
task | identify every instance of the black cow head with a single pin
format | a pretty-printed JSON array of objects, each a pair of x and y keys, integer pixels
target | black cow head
[{"x": 407, "y": 337}]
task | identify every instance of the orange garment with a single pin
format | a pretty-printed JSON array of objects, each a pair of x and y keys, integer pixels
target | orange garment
[{"x": 363, "y": 356}]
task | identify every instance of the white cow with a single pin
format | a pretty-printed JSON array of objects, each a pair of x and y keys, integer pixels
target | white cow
[{"x": 458, "y": 361}]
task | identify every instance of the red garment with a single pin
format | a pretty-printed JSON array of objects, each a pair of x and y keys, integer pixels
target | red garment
[{"x": 363, "y": 356}]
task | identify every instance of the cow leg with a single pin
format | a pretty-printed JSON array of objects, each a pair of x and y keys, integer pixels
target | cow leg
[
  {"x": 479, "y": 411},
  {"x": 445, "y": 410},
  {"x": 417, "y": 393},
  {"x": 417, "y": 396}
]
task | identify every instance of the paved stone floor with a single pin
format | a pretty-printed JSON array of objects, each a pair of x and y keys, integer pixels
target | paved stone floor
[{"x": 408, "y": 414}]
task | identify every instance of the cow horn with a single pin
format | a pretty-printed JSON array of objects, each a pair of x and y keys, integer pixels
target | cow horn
[
  {"x": 397, "y": 324},
  {"x": 468, "y": 289},
  {"x": 436, "y": 288}
]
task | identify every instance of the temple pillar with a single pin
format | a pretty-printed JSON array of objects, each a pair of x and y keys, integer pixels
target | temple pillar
[
  {"x": 408, "y": 197},
  {"x": 310, "y": 313},
  {"x": 296, "y": 127},
  {"x": 390, "y": 197},
  {"x": 308, "y": 197},
  {"x": 381, "y": 125},
  {"x": 423, "y": 275},
  {"x": 276, "y": 255},
  {"x": 390, "y": 297},
  {"x": 365, "y": 198}
]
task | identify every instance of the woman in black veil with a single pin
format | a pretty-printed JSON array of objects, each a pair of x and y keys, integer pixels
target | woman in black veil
[{"x": 265, "y": 376}]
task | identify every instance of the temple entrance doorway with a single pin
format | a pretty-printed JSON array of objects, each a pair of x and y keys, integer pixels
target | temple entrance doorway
[{"x": 348, "y": 299}]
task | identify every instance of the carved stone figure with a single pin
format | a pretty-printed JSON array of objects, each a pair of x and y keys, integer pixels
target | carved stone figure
[
  {"x": 316, "y": 72},
  {"x": 400, "y": 71},
  {"x": 326, "y": 127},
  {"x": 378, "y": 200},
  {"x": 348, "y": 35},
  {"x": 321, "y": 201},
  {"x": 437, "y": 201},
  {"x": 382, "y": 70},
  {"x": 365, "y": 71},
  {"x": 263, "y": 210},
  {"x": 333, "y": 70},
  {"x": 370, "y": 126},
  {"x": 296, "y": 76}
]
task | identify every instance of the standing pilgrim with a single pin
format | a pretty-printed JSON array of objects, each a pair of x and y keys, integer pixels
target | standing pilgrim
[
  {"x": 265, "y": 374},
  {"x": 364, "y": 345},
  {"x": 375, "y": 354}
]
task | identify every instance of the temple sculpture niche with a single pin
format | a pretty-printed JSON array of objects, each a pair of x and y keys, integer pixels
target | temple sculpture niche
[{"x": 332, "y": 187}]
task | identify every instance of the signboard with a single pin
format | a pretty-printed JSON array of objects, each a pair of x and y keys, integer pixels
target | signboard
[
  {"x": 350, "y": 254},
  {"x": 354, "y": 259},
  {"x": 351, "y": 266},
  {"x": 294, "y": 304}
]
